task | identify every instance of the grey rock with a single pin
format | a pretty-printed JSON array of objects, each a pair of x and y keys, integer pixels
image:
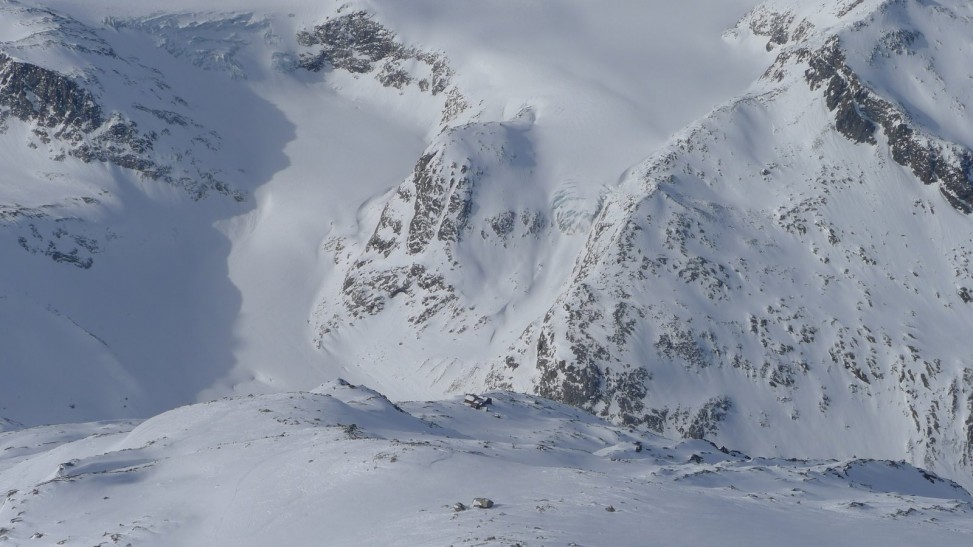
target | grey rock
[{"x": 482, "y": 503}]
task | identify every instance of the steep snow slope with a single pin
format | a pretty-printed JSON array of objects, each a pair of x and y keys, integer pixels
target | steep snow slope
[
  {"x": 474, "y": 246},
  {"x": 342, "y": 465},
  {"x": 791, "y": 274},
  {"x": 116, "y": 165},
  {"x": 250, "y": 198},
  {"x": 175, "y": 181}
]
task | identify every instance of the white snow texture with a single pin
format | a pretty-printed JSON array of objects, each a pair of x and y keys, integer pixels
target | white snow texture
[{"x": 710, "y": 260}]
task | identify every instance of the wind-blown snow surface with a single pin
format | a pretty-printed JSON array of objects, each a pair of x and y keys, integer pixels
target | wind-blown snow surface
[
  {"x": 342, "y": 465},
  {"x": 431, "y": 197}
]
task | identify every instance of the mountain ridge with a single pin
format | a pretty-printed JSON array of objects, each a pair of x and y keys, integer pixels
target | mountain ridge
[{"x": 791, "y": 263}]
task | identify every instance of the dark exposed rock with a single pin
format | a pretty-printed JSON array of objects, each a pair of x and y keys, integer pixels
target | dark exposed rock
[
  {"x": 707, "y": 419},
  {"x": 482, "y": 503},
  {"x": 355, "y": 42},
  {"x": 965, "y": 295},
  {"x": 898, "y": 42},
  {"x": 503, "y": 224},
  {"x": 353, "y": 431},
  {"x": 439, "y": 201},
  {"x": 367, "y": 291},
  {"x": 575, "y": 383},
  {"x": 967, "y": 450},
  {"x": 628, "y": 390},
  {"x": 774, "y": 26},
  {"x": 851, "y": 5},
  {"x": 52, "y": 101},
  {"x": 778, "y": 27},
  {"x": 168, "y": 116},
  {"x": 681, "y": 344},
  {"x": 423, "y": 229},
  {"x": 860, "y": 113},
  {"x": 350, "y": 42},
  {"x": 59, "y": 109},
  {"x": 59, "y": 244}
]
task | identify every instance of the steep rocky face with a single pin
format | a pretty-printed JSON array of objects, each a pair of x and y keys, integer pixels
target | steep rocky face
[
  {"x": 451, "y": 226},
  {"x": 779, "y": 264},
  {"x": 59, "y": 109},
  {"x": 31, "y": 93},
  {"x": 431, "y": 207},
  {"x": 860, "y": 113},
  {"x": 67, "y": 118},
  {"x": 357, "y": 43}
]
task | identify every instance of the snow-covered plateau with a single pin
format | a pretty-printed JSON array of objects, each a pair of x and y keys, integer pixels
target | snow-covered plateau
[
  {"x": 343, "y": 465},
  {"x": 710, "y": 260}
]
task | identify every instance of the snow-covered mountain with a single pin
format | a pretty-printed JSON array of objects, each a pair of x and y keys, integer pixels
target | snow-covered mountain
[
  {"x": 795, "y": 263},
  {"x": 342, "y": 465},
  {"x": 750, "y": 225},
  {"x": 790, "y": 273},
  {"x": 186, "y": 191}
]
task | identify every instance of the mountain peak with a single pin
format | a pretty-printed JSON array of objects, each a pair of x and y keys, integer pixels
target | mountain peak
[{"x": 758, "y": 239}]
